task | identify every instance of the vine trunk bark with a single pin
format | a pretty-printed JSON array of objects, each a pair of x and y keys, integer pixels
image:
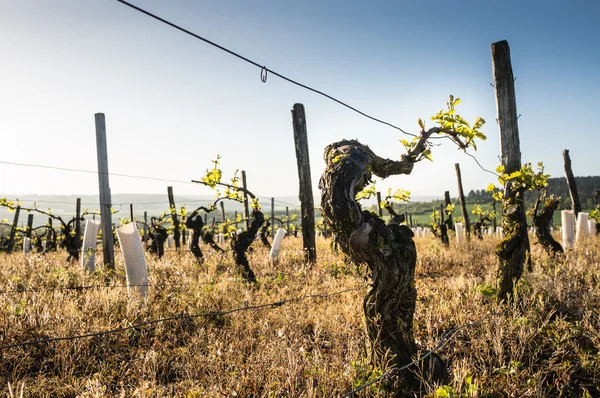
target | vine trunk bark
[
  {"x": 388, "y": 251},
  {"x": 240, "y": 244},
  {"x": 542, "y": 223}
]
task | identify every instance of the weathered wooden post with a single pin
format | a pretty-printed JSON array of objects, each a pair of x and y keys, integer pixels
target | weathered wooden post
[
  {"x": 145, "y": 226},
  {"x": 597, "y": 203},
  {"x": 246, "y": 205},
  {"x": 273, "y": 218},
  {"x": 494, "y": 219},
  {"x": 173, "y": 209},
  {"x": 575, "y": 203},
  {"x": 78, "y": 222},
  {"x": 287, "y": 220},
  {"x": 379, "y": 209},
  {"x": 224, "y": 229},
  {"x": 463, "y": 206},
  {"x": 29, "y": 225},
  {"x": 514, "y": 248},
  {"x": 448, "y": 203},
  {"x": 108, "y": 246},
  {"x": 307, "y": 206},
  {"x": 443, "y": 227},
  {"x": 51, "y": 239},
  {"x": 131, "y": 212}
]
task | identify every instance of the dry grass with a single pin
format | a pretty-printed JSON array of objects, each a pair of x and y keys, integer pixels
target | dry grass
[{"x": 546, "y": 344}]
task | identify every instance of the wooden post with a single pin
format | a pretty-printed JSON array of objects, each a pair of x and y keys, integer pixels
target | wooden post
[
  {"x": 224, "y": 229},
  {"x": 78, "y": 223},
  {"x": 145, "y": 226},
  {"x": 448, "y": 202},
  {"x": 410, "y": 218},
  {"x": 29, "y": 225},
  {"x": 108, "y": 247},
  {"x": 575, "y": 203},
  {"x": 463, "y": 205},
  {"x": 307, "y": 206},
  {"x": 131, "y": 212},
  {"x": 173, "y": 208},
  {"x": 379, "y": 209},
  {"x": 246, "y": 205},
  {"x": 494, "y": 222},
  {"x": 287, "y": 220},
  {"x": 235, "y": 218},
  {"x": 272, "y": 218},
  {"x": 13, "y": 230},
  {"x": 443, "y": 227},
  {"x": 52, "y": 244},
  {"x": 514, "y": 248},
  {"x": 597, "y": 203}
]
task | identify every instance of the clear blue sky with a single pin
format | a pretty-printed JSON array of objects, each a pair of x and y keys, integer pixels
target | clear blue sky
[{"x": 172, "y": 102}]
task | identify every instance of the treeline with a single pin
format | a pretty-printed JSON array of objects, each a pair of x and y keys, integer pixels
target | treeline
[{"x": 586, "y": 186}]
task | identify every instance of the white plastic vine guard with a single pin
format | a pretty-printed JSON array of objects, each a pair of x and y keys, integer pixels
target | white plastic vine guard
[
  {"x": 582, "y": 229},
  {"x": 88, "y": 249},
  {"x": 458, "y": 227},
  {"x": 568, "y": 228},
  {"x": 592, "y": 227},
  {"x": 190, "y": 237},
  {"x": 133, "y": 257},
  {"x": 277, "y": 243},
  {"x": 26, "y": 245}
]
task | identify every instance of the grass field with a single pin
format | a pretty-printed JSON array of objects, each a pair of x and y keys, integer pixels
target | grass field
[{"x": 547, "y": 343}]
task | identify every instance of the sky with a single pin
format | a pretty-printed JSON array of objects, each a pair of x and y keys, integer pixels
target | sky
[{"x": 172, "y": 102}]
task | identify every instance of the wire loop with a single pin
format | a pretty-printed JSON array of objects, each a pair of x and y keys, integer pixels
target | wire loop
[{"x": 263, "y": 74}]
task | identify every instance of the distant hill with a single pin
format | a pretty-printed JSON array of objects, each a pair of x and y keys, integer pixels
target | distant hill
[{"x": 154, "y": 204}]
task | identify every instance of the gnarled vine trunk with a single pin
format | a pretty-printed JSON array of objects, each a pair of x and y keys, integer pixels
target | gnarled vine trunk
[
  {"x": 208, "y": 237},
  {"x": 542, "y": 222},
  {"x": 159, "y": 237},
  {"x": 240, "y": 244},
  {"x": 195, "y": 223},
  {"x": 264, "y": 231},
  {"x": 387, "y": 250},
  {"x": 513, "y": 250}
]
